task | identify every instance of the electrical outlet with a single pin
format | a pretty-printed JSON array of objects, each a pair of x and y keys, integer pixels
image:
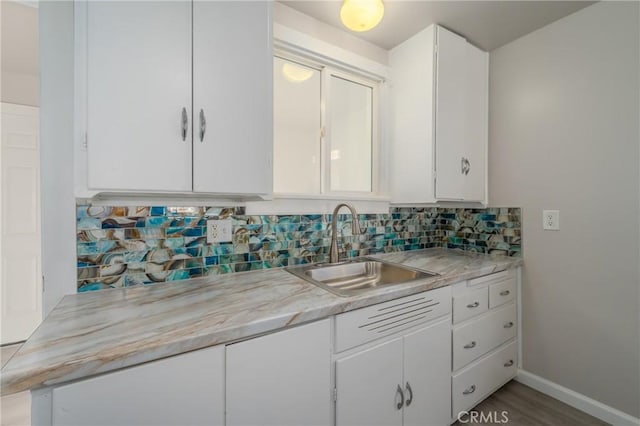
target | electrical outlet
[
  {"x": 551, "y": 220},
  {"x": 219, "y": 231}
]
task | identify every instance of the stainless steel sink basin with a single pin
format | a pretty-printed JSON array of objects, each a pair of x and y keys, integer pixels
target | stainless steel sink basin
[{"x": 356, "y": 276}]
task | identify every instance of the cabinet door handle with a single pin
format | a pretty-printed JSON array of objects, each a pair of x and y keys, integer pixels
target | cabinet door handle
[
  {"x": 508, "y": 363},
  {"x": 473, "y": 305},
  {"x": 184, "y": 124},
  {"x": 504, "y": 293},
  {"x": 470, "y": 345},
  {"x": 469, "y": 390},
  {"x": 462, "y": 165},
  {"x": 509, "y": 324},
  {"x": 410, "y": 391},
  {"x": 203, "y": 125},
  {"x": 466, "y": 172},
  {"x": 401, "y": 403}
]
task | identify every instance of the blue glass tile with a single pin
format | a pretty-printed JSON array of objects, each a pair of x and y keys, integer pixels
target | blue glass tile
[{"x": 158, "y": 211}]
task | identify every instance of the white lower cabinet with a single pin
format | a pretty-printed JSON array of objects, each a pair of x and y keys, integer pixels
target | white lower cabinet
[
  {"x": 403, "y": 380},
  {"x": 282, "y": 378},
  {"x": 485, "y": 345},
  {"x": 182, "y": 390},
  {"x": 471, "y": 385}
]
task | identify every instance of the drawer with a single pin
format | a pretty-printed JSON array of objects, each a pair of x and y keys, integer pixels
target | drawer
[
  {"x": 493, "y": 278},
  {"x": 364, "y": 325},
  {"x": 502, "y": 292},
  {"x": 469, "y": 304},
  {"x": 482, "y": 378},
  {"x": 472, "y": 340}
]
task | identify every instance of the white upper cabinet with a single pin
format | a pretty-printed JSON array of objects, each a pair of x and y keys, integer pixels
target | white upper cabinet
[
  {"x": 476, "y": 124},
  {"x": 138, "y": 86},
  {"x": 439, "y": 124},
  {"x": 176, "y": 96},
  {"x": 232, "y": 93},
  {"x": 450, "y": 117}
]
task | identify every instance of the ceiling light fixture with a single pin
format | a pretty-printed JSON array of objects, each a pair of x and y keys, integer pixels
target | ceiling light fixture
[
  {"x": 296, "y": 74},
  {"x": 361, "y": 15}
]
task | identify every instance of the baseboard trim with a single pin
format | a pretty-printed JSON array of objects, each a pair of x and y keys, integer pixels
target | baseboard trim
[{"x": 577, "y": 400}]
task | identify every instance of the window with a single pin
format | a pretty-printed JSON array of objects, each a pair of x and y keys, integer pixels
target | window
[{"x": 325, "y": 130}]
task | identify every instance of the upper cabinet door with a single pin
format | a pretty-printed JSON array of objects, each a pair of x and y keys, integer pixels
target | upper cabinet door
[
  {"x": 450, "y": 114},
  {"x": 233, "y": 97},
  {"x": 476, "y": 123},
  {"x": 139, "y": 95}
]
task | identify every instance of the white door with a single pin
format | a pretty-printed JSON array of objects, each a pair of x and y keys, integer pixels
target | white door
[
  {"x": 281, "y": 379},
  {"x": 450, "y": 114},
  {"x": 476, "y": 122},
  {"x": 233, "y": 87},
  {"x": 20, "y": 273},
  {"x": 369, "y": 386},
  {"x": 138, "y": 94},
  {"x": 427, "y": 375}
]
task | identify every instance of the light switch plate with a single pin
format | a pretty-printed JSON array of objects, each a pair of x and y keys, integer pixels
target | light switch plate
[
  {"x": 219, "y": 231},
  {"x": 551, "y": 220}
]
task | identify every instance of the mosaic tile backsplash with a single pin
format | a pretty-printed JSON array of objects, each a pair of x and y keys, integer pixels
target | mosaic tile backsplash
[{"x": 127, "y": 246}]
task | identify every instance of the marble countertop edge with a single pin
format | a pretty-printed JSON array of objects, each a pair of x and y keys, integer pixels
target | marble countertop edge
[{"x": 280, "y": 300}]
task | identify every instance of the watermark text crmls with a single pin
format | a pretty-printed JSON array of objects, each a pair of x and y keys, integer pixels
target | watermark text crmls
[{"x": 495, "y": 417}]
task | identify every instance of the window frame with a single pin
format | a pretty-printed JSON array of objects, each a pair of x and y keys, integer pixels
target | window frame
[{"x": 328, "y": 69}]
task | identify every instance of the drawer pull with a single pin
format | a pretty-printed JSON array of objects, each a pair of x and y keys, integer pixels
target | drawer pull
[
  {"x": 473, "y": 305},
  {"x": 410, "y": 394},
  {"x": 469, "y": 390},
  {"x": 509, "y": 324},
  {"x": 508, "y": 363},
  {"x": 401, "y": 403},
  {"x": 470, "y": 345},
  {"x": 505, "y": 293}
]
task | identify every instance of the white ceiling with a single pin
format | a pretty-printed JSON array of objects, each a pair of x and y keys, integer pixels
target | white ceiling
[{"x": 487, "y": 24}]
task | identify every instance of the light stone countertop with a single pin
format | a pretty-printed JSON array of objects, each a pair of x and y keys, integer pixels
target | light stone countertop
[{"x": 96, "y": 332}]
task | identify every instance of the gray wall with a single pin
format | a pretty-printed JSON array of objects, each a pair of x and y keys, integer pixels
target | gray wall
[
  {"x": 564, "y": 134},
  {"x": 56, "y": 151}
]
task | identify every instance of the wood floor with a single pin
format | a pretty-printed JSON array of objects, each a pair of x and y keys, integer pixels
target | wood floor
[{"x": 527, "y": 407}]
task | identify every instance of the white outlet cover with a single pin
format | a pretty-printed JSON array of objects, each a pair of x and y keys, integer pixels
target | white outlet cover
[
  {"x": 551, "y": 220},
  {"x": 219, "y": 231}
]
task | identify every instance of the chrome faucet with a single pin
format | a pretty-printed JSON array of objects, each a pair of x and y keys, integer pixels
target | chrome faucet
[{"x": 355, "y": 229}]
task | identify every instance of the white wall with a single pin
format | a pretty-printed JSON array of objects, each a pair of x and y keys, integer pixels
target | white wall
[
  {"x": 564, "y": 134},
  {"x": 20, "y": 69},
  {"x": 56, "y": 151}
]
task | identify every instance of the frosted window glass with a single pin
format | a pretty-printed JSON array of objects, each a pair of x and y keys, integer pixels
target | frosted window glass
[
  {"x": 351, "y": 135},
  {"x": 296, "y": 110}
]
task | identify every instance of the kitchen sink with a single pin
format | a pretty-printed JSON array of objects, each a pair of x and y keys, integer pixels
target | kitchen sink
[{"x": 356, "y": 276}]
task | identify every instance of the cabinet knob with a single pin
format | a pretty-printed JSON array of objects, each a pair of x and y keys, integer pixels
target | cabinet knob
[
  {"x": 410, "y": 391},
  {"x": 473, "y": 305},
  {"x": 504, "y": 293},
  {"x": 401, "y": 403},
  {"x": 509, "y": 324},
  {"x": 508, "y": 363},
  {"x": 470, "y": 345},
  {"x": 469, "y": 390}
]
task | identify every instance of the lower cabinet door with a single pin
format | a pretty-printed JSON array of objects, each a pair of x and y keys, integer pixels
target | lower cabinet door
[
  {"x": 282, "y": 378},
  {"x": 182, "y": 390},
  {"x": 369, "y": 386},
  {"x": 427, "y": 376}
]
